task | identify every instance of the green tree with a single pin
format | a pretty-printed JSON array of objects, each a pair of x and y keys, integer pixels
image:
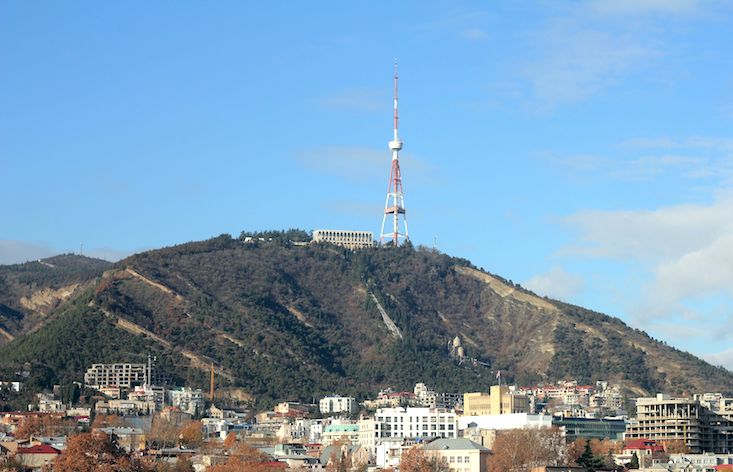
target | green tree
[
  {"x": 589, "y": 460},
  {"x": 634, "y": 464}
]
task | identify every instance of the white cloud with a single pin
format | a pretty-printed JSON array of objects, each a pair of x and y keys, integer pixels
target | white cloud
[
  {"x": 575, "y": 61},
  {"x": 557, "y": 283},
  {"x": 649, "y": 158},
  {"x": 686, "y": 250},
  {"x": 724, "y": 358},
  {"x": 653, "y": 235}
]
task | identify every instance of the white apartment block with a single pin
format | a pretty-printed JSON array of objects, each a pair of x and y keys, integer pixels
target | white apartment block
[
  {"x": 337, "y": 405},
  {"x": 115, "y": 375},
  {"x": 415, "y": 423},
  {"x": 187, "y": 399},
  {"x": 347, "y": 239}
]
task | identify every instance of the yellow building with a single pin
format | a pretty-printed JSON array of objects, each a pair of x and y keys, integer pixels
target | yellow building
[{"x": 499, "y": 401}]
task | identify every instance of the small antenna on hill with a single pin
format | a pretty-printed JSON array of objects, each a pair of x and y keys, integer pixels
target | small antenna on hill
[{"x": 81, "y": 249}]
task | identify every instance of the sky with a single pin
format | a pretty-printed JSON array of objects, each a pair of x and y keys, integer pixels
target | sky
[{"x": 583, "y": 149}]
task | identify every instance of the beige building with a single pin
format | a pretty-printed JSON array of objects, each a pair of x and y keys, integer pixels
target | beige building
[
  {"x": 347, "y": 239},
  {"x": 664, "y": 418},
  {"x": 499, "y": 401},
  {"x": 461, "y": 455}
]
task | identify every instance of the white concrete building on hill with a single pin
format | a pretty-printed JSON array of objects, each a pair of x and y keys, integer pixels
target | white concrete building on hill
[
  {"x": 337, "y": 405},
  {"x": 347, "y": 239}
]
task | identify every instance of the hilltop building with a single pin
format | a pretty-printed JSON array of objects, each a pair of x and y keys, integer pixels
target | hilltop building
[{"x": 348, "y": 239}]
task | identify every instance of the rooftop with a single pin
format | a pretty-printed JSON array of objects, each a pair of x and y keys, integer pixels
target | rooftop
[{"x": 458, "y": 444}]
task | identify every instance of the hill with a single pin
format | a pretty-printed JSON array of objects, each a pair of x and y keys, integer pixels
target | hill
[
  {"x": 292, "y": 321},
  {"x": 31, "y": 291}
]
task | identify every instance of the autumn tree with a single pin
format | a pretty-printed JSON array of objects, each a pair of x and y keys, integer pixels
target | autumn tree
[
  {"x": 340, "y": 461},
  {"x": 519, "y": 450},
  {"x": 96, "y": 452},
  {"x": 191, "y": 434},
  {"x": 675, "y": 446},
  {"x": 230, "y": 441},
  {"x": 107, "y": 421},
  {"x": 245, "y": 458},
  {"x": 415, "y": 460},
  {"x": 163, "y": 433},
  {"x": 42, "y": 425}
]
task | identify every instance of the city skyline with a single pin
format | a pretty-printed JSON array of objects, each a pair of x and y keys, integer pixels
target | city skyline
[{"x": 589, "y": 142}]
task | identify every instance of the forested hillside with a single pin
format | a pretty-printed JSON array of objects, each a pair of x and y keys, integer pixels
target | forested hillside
[
  {"x": 295, "y": 321},
  {"x": 30, "y": 291}
]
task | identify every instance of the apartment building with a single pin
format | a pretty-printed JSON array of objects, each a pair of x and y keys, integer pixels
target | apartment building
[
  {"x": 337, "y": 405},
  {"x": 664, "y": 418},
  {"x": 115, "y": 375}
]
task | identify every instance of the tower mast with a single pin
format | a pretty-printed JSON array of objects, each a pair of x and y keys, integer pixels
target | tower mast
[{"x": 394, "y": 206}]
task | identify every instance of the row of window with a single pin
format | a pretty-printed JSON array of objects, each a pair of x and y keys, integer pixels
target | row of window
[
  {"x": 459, "y": 459},
  {"x": 401, "y": 419},
  {"x": 401, "y": 427}
]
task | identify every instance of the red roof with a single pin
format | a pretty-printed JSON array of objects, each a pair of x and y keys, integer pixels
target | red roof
[
  {"x": 644, "y": 445},
  {"x": 40, "y": 449},
  {"x": 724, "y": 467}
]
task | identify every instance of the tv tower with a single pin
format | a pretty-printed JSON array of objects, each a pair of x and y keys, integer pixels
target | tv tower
[{"x": 395, "y": 204}]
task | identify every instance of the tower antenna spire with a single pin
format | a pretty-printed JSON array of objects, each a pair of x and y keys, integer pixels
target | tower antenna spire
[{"x": 395, "y": 203}]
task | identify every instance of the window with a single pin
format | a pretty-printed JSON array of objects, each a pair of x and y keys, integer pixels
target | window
[
  {"x": 459, "y": 459},
  {"x": 466, "y": 459}
]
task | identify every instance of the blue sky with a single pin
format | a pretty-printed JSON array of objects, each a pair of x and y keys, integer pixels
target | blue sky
[{"x": 582, "y": 149}]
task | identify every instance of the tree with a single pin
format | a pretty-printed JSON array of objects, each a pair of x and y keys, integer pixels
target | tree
[
  {"x": 191, "y": 434},
  {"x": 519, "y": 450},
  {"x": 415, "y": 460},
  {"x": 245, "y": 458},
  {"x": 634, "y": 464},
  {"x": 163, "y": 433},
  {"x": 42, "y": 425},
  {"x": 589, "y": 460},
  {"x": 675, "y": 446},
  {"x": 107, "y": 421},
  {"x": 96, "y": 452},
  {"x": 231, "y": 440}
]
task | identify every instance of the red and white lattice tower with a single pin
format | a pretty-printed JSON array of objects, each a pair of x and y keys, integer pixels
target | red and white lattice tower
[{"x": 395, "y": 204}]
